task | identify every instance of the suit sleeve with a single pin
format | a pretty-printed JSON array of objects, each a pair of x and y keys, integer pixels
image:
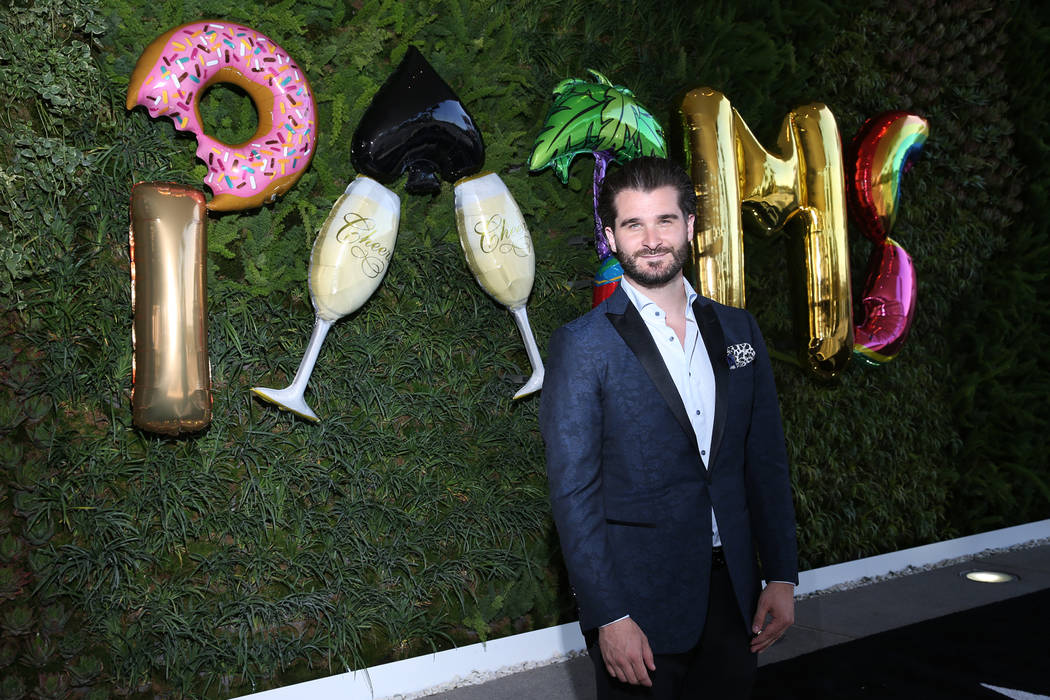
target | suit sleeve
[
  {"x": 571, "y": 423},
  {"x": 768, "y": 481}
]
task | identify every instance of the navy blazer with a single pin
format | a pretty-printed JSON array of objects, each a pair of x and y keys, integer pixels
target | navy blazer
[{"x": 630, "y": 494}]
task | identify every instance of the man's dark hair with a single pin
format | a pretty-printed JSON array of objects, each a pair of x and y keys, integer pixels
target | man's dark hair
[{"x": 645, "y": 174}]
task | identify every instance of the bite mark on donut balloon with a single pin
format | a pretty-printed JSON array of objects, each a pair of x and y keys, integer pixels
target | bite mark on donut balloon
[{"x": 179, "y": 66}]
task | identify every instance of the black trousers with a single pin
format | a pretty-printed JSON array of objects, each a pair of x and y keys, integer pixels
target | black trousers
[{"x": 720, "y": 667}]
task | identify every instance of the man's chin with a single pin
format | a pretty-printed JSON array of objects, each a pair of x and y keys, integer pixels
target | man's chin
[
  {"x": 655, "y": 272},
  {"x": 652, "y": 276}
]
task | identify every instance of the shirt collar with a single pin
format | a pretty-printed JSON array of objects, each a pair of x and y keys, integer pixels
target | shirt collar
[{"x": 641, "y": 301}]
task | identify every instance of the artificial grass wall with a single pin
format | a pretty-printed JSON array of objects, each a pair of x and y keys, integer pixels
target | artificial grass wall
[{"x": 265, "y": 549}]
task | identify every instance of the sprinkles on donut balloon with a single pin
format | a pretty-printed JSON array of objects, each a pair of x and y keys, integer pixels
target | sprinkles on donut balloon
[{"x": 175, "y": 70}]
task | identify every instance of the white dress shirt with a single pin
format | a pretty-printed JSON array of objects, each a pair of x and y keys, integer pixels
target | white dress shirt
[{"x": 689, "y": 366}]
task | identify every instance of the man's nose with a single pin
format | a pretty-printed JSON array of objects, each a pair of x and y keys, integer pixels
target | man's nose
[{"x": 651, "y": 237}]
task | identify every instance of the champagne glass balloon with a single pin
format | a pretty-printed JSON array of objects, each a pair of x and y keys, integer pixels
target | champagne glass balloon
[
  {"x": 349, "y": 259},
  {"x": 499, "y": 252}
]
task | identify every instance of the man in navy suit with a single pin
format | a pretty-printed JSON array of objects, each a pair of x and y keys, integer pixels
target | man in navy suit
[{"x": 666, "y": 461}]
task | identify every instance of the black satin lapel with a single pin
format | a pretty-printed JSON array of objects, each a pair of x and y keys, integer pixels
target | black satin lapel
[
  {"x": 714, "y": 339},
  {"x": 634, "y": 332}
]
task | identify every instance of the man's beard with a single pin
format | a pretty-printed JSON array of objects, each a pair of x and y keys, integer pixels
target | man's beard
[{"x": 640, "y": 271}]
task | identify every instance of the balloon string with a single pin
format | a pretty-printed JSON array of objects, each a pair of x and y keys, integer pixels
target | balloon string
[{"x": 601, "y": 163}]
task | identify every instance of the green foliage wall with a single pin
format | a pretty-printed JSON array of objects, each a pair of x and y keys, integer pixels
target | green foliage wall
[{"x": 414, "y": 516}]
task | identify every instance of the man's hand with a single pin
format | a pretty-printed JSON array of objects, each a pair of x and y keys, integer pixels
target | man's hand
[
  {"x": 778, "y": 603},
  {"x": 626, "y": 653}
]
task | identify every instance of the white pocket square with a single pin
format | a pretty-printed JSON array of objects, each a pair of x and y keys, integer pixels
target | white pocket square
[{"x": 739, "y": 355}]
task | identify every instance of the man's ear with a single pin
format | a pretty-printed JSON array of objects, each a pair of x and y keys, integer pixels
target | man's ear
[
  {"x": 691, "y": 225},
  {"x": 610, "y": 239}
]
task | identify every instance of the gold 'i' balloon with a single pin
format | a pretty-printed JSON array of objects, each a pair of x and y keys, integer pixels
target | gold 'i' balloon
[
  {"x": 804, "y": 187},
  {"x": 171, "y": 375}
]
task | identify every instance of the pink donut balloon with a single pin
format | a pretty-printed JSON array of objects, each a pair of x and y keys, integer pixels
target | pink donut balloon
[{"x": 175, "y": 70}]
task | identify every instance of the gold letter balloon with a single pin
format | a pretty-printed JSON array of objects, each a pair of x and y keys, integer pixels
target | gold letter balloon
[
  {"x": 350, "y": 256},
  {"x": 803, "y": 189},
  {"x": 171, "y": 377},
  {"x": 499, "y": 252}
]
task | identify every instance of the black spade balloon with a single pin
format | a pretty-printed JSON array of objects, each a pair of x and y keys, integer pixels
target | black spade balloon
[{"x": 416, "y": 124}]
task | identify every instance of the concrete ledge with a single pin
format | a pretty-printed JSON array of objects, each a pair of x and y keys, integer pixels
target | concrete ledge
[
  {"x": 478, "y": 662},
  {"x": 816, "y": 580}
]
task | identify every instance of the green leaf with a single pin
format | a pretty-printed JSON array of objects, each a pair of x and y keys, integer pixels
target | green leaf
[{"x": 588, "y": 117}]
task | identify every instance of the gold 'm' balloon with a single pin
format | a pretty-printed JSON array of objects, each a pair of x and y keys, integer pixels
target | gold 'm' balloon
[
  {"x": 804, "y": 187},
  {"x": 170, "y": 372}
]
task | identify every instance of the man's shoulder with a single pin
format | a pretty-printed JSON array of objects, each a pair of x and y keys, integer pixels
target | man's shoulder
[
  {"x": 719, "y": 307},
  {"x": 727, "y": 315},
  {"x": 583, "y": 336},
  {"x": 596, "y": 319},
  {"x": 589, "y": 320}
]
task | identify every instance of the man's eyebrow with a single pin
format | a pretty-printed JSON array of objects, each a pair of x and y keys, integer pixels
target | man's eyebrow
[{"x": 672, "y": 216}]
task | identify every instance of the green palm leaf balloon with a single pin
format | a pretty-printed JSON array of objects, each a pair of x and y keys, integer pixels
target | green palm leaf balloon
[{"x": 591, "y": 117}]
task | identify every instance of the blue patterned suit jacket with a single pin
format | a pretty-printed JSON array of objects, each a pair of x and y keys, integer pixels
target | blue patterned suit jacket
[{"x": 630, "y": 493}]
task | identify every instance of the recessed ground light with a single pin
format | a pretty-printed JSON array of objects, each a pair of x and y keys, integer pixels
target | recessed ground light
[{"x": 990, "y": 576}]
